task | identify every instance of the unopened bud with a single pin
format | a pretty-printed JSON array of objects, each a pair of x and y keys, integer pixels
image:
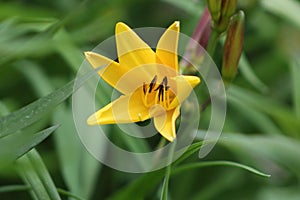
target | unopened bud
[
  {"x": 221, "y": 12},
  {"x": 227, "y": 10},
  {"x": 233, "y": 46},
  {"x": 214, "y": 7}
]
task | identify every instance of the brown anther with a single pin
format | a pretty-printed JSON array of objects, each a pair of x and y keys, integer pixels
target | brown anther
[
  {"x": 152, "y": 84},
  {"x": 144, "y": 88}
]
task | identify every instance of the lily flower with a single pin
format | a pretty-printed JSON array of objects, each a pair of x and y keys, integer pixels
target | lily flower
[{"x": 149, "y": 81}]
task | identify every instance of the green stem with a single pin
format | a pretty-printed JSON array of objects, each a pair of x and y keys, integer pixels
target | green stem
[
  {"x": 164, "y": 194},
  {"x": 212, "y": 42}
]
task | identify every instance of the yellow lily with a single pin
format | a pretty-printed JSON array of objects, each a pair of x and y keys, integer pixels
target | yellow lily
[{"x": 149, "y": 81}]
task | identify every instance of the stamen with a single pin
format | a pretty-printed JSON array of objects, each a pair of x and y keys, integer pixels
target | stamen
[
  {"x": 160, "y": 89},
  {"x": 164, "y": 98},
  {"x": 161, "y": 93},
  {"x": 168, "y": 99},
  {"x": 152, "y": 84},
  {"x": 144, "y": 88},
  {"x": 165, "y": 81}
]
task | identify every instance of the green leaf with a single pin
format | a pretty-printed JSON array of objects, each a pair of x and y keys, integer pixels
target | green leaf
[
  {"x": 79, "y": 169},
  {"x": 295, "y": 74},
  {"x": 68, "y": 50},
  {"x": 190, "y": 166},
  {"x": 248, "y": 73},
  {"x": 139, "y": 188},
  {"x": 279, "y": 149},
  {"x": 36, "y": 175},
  {"x": 191, "y": 150},
  {"x": 151, "y": 179},
  {"x": 259, "y": 119},
  {"x": 36, "y": 110},
  {"x": 66, "y": 140},
  {"x": 282, "y": 115},
  {"x": 288, "y": 9},
  {"x": 16, "y": 188},
  {"x": 13, "y": 188},
  {"x": 192, "y": 7},
  {"x": 15, "y": 145}
]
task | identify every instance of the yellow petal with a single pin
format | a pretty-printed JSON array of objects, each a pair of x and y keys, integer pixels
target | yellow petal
[
  {"x": 182, "y": 87},
  {"x": 193, "y": 81},
  {"x": 165, "y": 123},
  {"x": 125, "y": 109},
  {"x": 112, "y": 73},
  {"x": 132, "y": 50},
  {"x": 167, "y": 45}
]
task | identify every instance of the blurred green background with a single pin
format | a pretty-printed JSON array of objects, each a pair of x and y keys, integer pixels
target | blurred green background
[{"x": 41, "y": 48}]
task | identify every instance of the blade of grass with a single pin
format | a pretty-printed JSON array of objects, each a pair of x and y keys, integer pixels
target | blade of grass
[
  {"x": 191, "y": 7},
  {"x": 248, "y": 73},
  {"x": 14, "y": 188},
  {"x": 191, "y": 150},
  {"x": 190, "y": 166},
  {"x": 151, "y": 179},
  {"x": 66, "y": 141},
  {"x": 259, "y": 119},
  {"x": 33, "y": 170},
  {"x": 295, "y": 74},
  {"x": 281, "y": 114},
  {"x": 287, "y": 9},
  {"x": 80, "y": 161},
  {"x": 68, "y": 50},
  {"x": 15, "y": 145},
  {"x": 36, "y": 110},
  {"x": 79, "y": 169},
  {"x": 17, "y": 188},
  {"x": 279, "y": 149}
]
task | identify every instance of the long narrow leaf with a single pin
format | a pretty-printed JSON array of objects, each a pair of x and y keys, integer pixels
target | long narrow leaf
[
  {"x": 287, "y": 9},
  {"x": 35, "y": 173},
  {"x": 295, "y": 73},
  {"x": 217, "y": 163},
  {"x": 250, "y": 76},
  {"x": 36, "y": 110},
  {"x": 15, "y": 145}
]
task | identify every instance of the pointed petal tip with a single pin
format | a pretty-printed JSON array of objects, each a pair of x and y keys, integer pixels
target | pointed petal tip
[
  {"x": 90, "y": 54},
  {"x": 193, "y": 80},
  {"x": 171, "y": 138},
  {"x": 92, "y": 120},
  {"x": 121, "y": 27},
  {"x": 87, "y": 54},
  {"x": 175, "y": 26}
]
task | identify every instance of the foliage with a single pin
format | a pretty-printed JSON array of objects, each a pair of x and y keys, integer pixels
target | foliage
[{"x": 41, "y": 49}]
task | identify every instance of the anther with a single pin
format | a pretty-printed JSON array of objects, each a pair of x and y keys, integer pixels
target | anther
[
  {"x": 160, "y": 89},
  {"x": 144, "y": 88},
  {"x": 165, "y": 82},
  {"x": 153, "y": 82}
]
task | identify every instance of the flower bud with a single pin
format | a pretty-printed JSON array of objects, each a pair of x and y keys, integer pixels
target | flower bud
[
  {"x": 221, "y": 12},
  {"x": 233, "y": 46},
  {"x": 214, "y": 7},
  {"x": 227, "y": 10}
]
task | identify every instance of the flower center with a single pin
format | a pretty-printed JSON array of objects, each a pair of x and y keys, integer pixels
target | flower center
[{"x": 157, "y": 93}]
